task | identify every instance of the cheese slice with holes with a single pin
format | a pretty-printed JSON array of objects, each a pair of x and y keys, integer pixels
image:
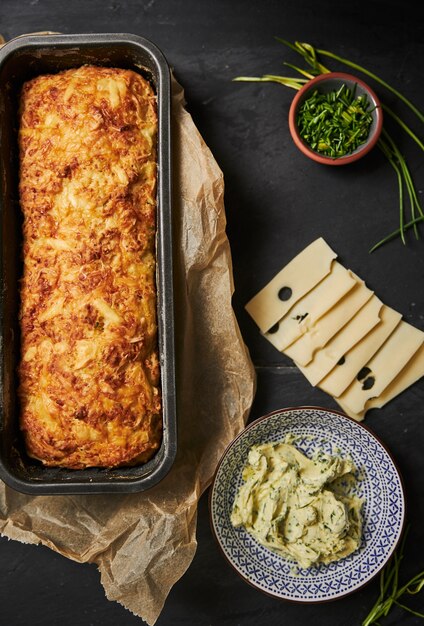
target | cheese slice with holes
[
  {"x": 298, "y": 277},
  {"x": 326, "y": 359},
  {"x": 411, "y": 373},
  {"x": 355, "y": 359},
  {"x": 302, "y": 351},
  {"x": 382, "y": 368},
  {"x": 311, "y": 307}
]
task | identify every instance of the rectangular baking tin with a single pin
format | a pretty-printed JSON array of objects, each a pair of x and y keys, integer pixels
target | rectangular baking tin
[{"x": 22, "y": 59}]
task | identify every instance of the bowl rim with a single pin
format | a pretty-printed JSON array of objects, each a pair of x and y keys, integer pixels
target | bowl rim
[
  {"x": 359, "y": 424},
  {"x": 362, "y": 150}
]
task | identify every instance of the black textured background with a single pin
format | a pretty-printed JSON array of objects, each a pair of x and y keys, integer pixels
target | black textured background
[{"x": 277, "y": 202}]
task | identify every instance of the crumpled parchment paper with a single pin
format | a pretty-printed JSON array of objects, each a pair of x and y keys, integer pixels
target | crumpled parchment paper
[{"x": 143, "y": 543}]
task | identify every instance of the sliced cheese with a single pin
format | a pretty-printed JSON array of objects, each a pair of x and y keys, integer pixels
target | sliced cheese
[
  {"x": 338, "y": 333},
  {"x": 326, "y": 359},
  {"x": 303, "y": 350},
  {"x": 382, "y": 368},
  {"x": 298, "y": 277},
  {"x": 355, "y": 359},
  {"x": 413, "y": 371},
  {"x": 311, "y": 307}
]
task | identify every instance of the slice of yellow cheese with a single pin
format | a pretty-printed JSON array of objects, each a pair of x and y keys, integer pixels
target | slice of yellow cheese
[
  {"x": 413, "y": 371},
  {"x": 311, "y": 307},
  {"x": 382, "y": 368},
  {"x": 355, "y": 359},
  {"x": 326, "y": 359},
  {"x": 302, "y": 351},
  {"x": 298, "y": 277}
]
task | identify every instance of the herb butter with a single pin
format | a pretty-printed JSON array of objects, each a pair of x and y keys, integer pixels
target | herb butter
[{"x": 295, "y": 505}]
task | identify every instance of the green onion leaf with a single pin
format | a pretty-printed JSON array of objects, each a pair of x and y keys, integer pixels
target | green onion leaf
[{"x": 334, "y": 137}]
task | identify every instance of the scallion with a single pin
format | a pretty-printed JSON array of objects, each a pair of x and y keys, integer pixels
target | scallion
[
  {"x": 386, "y": 143},
  {"x": 391, "y": 592}
]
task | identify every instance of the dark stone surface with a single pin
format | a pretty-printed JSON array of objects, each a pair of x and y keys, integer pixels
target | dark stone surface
[{"x": 276, "y": 202}]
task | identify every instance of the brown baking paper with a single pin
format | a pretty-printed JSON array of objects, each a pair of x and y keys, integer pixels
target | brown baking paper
[{"x": 143, "y": 543}]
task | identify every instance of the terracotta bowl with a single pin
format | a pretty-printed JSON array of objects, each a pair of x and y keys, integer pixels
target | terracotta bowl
[{"x": 331, "y": 82}]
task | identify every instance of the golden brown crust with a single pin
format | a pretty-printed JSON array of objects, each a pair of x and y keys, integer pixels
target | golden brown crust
[{"x": 89, "y": 370}]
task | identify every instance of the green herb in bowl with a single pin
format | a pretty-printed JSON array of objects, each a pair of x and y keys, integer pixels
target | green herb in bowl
[
  {"x": 335, "y": 118},
  {"x": 335, "y": 123}
]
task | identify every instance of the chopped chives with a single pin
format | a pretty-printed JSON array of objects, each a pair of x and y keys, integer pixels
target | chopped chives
[{"x": 336, "y": 123}]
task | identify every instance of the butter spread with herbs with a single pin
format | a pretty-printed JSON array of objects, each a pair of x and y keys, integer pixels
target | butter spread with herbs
[{"x": 297, "y": 506}]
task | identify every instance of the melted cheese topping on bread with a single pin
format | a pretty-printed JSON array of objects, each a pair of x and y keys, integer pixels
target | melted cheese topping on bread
[{"x": 89, "y": 370}]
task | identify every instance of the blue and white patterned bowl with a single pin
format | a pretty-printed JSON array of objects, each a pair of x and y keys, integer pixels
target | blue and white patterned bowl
[{"x": 379, "y": 484}]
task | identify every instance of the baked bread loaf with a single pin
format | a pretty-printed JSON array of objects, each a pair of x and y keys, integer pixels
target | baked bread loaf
[{"x": 89, "y": 378}]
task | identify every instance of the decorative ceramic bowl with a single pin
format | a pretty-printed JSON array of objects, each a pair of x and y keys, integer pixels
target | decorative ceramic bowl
[
  {"x": 378, "y": 483},
  {"x": 326, "y": 83}
]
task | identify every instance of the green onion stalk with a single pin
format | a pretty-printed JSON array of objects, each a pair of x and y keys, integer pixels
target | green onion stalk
[
  {"x": 386, "y": 143},
  {"x": 391, "y": 591}
]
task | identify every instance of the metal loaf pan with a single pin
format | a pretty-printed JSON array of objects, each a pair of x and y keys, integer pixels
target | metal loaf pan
[{"x": 20, "y": 60}]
